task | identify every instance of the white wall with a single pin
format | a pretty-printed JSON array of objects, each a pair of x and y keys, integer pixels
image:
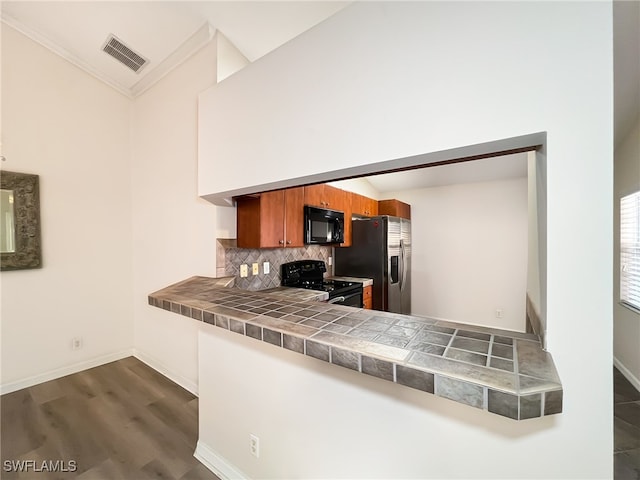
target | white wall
[
  {"x": 533, "y": 271},
  {"x": 73, "y": 131},
  {"x": 174, "y": 231},
  {"x": 229, "y": 59},
  {"x": 626, "y": 322},
  {"x": 380, "y": 81},
  {"x": 316, "y": 420},
  {"x": 469, "y": 252}
]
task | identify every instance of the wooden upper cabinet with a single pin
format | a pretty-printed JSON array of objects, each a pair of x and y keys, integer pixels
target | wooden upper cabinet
[
  {"x": 325, "y": 196},
  {"x": 334, "y": 198},
  {"x": 314, "y": 195},
  {"x": 395, "y": 208},
  {"x": 276, "y": 219},
  {"x": 271, "y": 219},
  {"x": 362, "y": 205},
  {"x": 294, "y": 217}
]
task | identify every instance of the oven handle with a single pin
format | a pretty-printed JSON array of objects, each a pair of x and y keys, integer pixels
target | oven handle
[{"x": 336, "y": 300}]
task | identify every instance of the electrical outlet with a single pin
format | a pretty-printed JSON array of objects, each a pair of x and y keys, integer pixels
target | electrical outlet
[
  {"x": 499, "y": 313},
  {"x": 244, "y": 270},
  {"x": 76, "y": 343},
  {"x": 330, "y": 261},
  {"x": 254, "y": 445},
  {"x": 255, "y": 268},
  {"x": 265, "y": 268}
]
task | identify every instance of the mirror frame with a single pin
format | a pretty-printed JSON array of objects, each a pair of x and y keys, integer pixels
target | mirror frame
[{"x": 26, "y": 209}]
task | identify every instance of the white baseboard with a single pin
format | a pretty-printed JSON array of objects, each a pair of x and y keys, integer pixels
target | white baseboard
[
  {"x": 64, "y": 371},
  {"x": 217, "y": 464},
  {"x": 627, "y": 373},
  {"x": 157, "y": 365}
]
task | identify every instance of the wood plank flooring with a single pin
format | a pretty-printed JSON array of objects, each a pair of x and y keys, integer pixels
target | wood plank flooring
[
  {"x": 626, "y": 424},
  {"x": 122, "y": 420}
]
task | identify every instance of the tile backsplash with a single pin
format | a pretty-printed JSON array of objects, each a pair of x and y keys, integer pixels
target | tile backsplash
[{"x": 229, "y": 258}]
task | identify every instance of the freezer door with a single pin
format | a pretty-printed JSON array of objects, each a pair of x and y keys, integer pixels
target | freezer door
[
  {"x": 367, "y": 257},
  {"x": 395, "y": 265},
  {"x": 405, "y": 254}
]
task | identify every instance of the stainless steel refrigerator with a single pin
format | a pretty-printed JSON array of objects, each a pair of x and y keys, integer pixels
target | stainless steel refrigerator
[{"x": 381, "y": 250}]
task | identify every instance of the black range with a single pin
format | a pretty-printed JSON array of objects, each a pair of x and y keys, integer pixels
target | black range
[{"x": 309, "y": 274}]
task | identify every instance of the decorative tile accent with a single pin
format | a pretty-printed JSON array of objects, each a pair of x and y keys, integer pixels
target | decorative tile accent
[
  {"x": 292, "y": 343},
  {"x": 272, "y": 337},
  {"x": 253, "y": 331},
  {"x": 317, "y": 350},
  {"x": 503, "y": 404},
  {"x": 229, "y": 255},
  {"x": 503, "y": 351},
  {"x": 470, "y": 344},
  {"x": 530, "y": 406},
  {"x": 209, "y": 317},
  {"x": 506, "y": 365},
  {"x": 415, "y": 378},
  {"x": 377, "y": 368},
  {"x": 345, "y": 358},
  {"x": 502, "y": 372},
  {"x": 236, "y": 326},
  {"x": 468, "y": 357},
  {"x": 476, "y": 335},
  {"x": 553, "y": 402},
  {"x": 459, "y": 391}
]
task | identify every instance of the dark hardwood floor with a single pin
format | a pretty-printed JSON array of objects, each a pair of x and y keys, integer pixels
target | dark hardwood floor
[
  {"x": 626, "y": 424},
  {"x": 122, "y": 420}
]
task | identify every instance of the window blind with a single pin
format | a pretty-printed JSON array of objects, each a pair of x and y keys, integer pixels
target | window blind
[{"x": 630, "y": 250}]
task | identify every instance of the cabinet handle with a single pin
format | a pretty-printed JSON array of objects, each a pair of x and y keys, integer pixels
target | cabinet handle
[
  {"x": 281, "y": 242},
  {"x": 288, "y": 242}
]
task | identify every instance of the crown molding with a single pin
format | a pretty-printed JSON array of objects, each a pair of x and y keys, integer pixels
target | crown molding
[
  {"x": 64, "y": 53},
  {"x": 186, "y": 50},
  {"x": 189, "y": 47}
]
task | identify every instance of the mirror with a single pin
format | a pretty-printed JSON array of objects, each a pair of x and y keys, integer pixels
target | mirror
[
  {"x": 7, "y": 223},
  {"x": 19, "y": 221}
]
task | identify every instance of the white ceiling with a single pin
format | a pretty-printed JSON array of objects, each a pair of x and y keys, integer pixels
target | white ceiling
[
  {"x": 487, "y": 169},
  {"x": 165, "y": 33}
]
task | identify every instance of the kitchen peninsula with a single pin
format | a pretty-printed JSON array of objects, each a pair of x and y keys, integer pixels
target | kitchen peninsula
[{"x": 503, "y": 372}]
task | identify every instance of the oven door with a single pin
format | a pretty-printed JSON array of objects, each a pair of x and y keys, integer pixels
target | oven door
[{"x": 353, "y": 299}]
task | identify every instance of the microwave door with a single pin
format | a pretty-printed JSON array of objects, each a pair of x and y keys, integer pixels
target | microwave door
[{"x": 337, "y": 235}]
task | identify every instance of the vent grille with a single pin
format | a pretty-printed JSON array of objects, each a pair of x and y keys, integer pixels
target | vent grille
[{"x": 124, "y": 54}]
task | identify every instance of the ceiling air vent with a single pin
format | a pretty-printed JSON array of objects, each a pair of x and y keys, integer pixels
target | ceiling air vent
[{"x": 124, "y": 54}]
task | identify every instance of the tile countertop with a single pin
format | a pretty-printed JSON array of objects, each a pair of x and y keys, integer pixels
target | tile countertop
[{"x": 500, "y": 371}]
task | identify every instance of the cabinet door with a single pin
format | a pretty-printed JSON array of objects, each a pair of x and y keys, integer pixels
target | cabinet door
[
  {"x": 356, "y": 204},
  {"x": 272, "y": 210},
  {"x": 294, "y": 217},
  {"x": 314, "y": 195},
  {"x": 334, "y": 198},
  {"x": 347, "y": 222},
  {"x": 371, "y": 209},
  {"x": 395, "y": 208},
  {"x": 248, "y": 221},
  {"x": 367, "y": 298},
  {"x": 364, "y": 205}
]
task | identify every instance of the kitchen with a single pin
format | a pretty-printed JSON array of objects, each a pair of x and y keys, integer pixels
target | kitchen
[
  {"x": 172, "y": 231},
  {"x": 485, "y": 200}
]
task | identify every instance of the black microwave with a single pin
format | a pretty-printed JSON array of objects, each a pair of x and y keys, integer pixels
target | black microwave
[{"x": 323, "y": 226}]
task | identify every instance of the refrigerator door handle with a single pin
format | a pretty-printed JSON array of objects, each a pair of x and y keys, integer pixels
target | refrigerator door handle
[{"x": 402, "y": 275}]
